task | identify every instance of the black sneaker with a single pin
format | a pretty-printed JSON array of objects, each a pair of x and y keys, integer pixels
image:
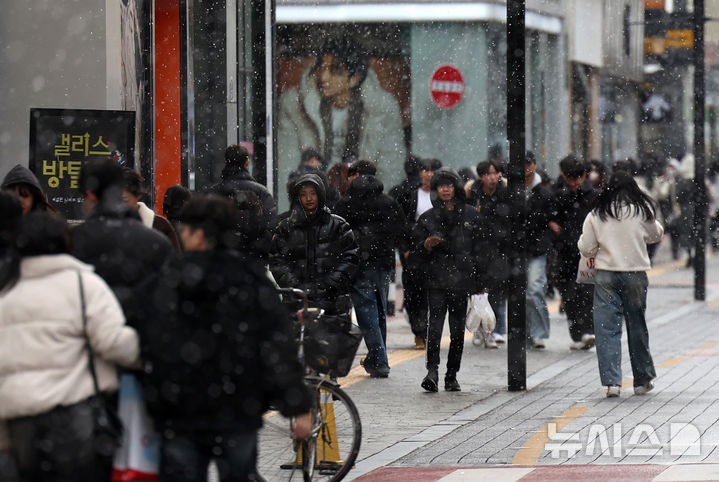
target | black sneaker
[
  {"x": 377, "y": 372},
  {"x": 430, "y": 381},
  {"x": 451, "y": 385}
]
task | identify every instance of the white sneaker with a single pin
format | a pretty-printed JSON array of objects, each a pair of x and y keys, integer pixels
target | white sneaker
[
  {"x": 613, "y": 391},
  {"x": 588, "y": 341},
  {"x": 538, "y": 343},
  {"x": 499, "y": 338},
  {"x": 490, "y": 341},
  {"x": 576, "y": 345},
  {"x": 643, "y": 389},
  {"x": 478, "y": 338}
]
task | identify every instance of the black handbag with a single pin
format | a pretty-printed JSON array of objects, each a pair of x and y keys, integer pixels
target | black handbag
[
  {"x": 330, "y": 344},
  {"x": 108, "y": 427}
]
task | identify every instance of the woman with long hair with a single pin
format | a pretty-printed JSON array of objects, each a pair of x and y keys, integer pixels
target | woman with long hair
[
  {"x": 47, "y": 394},
  {"x": 616, "y": 233}
]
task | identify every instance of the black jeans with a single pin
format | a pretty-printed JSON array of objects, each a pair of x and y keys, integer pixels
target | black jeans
[
  {"x": 415, "y": 299},
  {"x": 441, "y": 301},
  {"x": 58, "y": 446},
  {"x": 578, "y": 302},
  {"x": 184, "y": 456}
]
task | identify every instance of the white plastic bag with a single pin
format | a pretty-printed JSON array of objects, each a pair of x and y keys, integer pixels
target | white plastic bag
[
  {"x": 138, "y": 458},
  {"x": 585, "y": 270},
  {"x": 480, "y": 314}
]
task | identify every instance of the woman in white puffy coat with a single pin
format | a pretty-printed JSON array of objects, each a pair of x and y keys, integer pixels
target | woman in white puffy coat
[{"x": 45, "y": 383}]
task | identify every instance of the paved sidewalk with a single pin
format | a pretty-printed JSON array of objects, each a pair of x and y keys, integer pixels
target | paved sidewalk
[{"x": 564, "y": 417}]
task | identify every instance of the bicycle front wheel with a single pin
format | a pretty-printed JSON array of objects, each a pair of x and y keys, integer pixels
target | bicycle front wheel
[{"x": 332, "y": 449}]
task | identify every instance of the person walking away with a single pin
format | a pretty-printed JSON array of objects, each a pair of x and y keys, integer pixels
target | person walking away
[
  {"x": 217, "y": 351},
  {"x": 538, "y": 243},
  {"x": 47, "y": 395},
  {"x": 132, "y": 192},
  {"x": 450, "y": 234},
  {"x": 315, "y": 250},
  {"x": 112, "y": 238},
  {"x": 415, "y": 200},
  {"x": 616, "y": 233},
  {"x": 378, "y": 223},
  {"x": 571, "y": 202},
  {"x": 23, "y": 182},
  {"x": 490, "y": 198}
]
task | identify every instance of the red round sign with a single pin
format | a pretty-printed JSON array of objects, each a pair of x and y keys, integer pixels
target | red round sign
[{"x": 446, "y": 86}]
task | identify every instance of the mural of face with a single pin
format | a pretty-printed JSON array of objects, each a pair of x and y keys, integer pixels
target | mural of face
[{"x": 334, "y": 82}]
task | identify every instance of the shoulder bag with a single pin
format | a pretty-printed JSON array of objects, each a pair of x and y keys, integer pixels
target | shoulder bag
[{"x": 107, "y": 425}]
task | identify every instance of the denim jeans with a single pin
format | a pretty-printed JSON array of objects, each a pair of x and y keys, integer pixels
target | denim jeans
[
  {"x": 537, "y": 312},
  {"x": 369, "y": 297},
  {"x": 440, "y": 302},
  {"x": 184, "y": 457},
  {"x": 620, "y": 294}
]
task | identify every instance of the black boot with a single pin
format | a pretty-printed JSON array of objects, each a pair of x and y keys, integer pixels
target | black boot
[
  {"x": 430, "y": 381},
  {"x": 451, "y": 384}
]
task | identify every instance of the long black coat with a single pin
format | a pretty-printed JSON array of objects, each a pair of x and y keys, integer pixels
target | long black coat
[
  {"x": 317, "y": 253},
  {"x": 569, "y": 210},
  {"x": 539, "y": 207},
  {"x": 458, "y": 263},
  {"x": 377, "y": 221},
  {"x": 124, "y": 251},
  {"x": 216, "y": 345}
]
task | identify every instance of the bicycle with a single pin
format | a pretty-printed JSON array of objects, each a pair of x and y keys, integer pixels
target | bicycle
[{"x": 332, "y": 448}]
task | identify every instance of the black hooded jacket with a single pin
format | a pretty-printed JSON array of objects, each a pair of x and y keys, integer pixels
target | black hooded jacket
[
  {"x": 216, "y": 345},
  {"x": 21, "y": 175},
  {"x": 458, "y": 262},
  {"x": 316, "y": 253},
  {"x": 376, "y": 219}
]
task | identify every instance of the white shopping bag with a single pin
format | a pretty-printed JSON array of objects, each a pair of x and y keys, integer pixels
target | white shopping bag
[
  {"x": 138, "y": 458},
  {"x": 480, "y": 314},
  {"x": 585, "y": 270}
]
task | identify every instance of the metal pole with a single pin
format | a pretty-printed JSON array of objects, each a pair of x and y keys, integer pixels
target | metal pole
[
  {"x": 517, "y": 339},
  {"x": 700, "y": 201},
  {"x": 258, "y": 85}
]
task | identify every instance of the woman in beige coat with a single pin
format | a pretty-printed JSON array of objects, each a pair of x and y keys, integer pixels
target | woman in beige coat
[{"x": 46, "y": 387}]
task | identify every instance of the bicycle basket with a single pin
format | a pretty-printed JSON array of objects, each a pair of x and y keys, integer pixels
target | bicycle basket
[{"x": 329, "y": 347}]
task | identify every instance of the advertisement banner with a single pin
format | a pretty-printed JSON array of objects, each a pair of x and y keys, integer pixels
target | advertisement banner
[{"x": 62, "y": 140}]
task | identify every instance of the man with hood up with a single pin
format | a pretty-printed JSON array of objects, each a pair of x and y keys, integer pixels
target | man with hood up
[
  {"x": 378, "y": 224},
  {"x": 315, "y": 250},
  {"x": 451, "y": 235}
]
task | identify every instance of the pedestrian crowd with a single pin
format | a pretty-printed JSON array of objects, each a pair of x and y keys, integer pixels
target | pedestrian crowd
[{"x": 187, "y": 303}]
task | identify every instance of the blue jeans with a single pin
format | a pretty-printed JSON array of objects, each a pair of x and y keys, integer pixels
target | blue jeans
[
  {"x": 369, "y": 297},
  {"x": 620, "y": 294},
  {"x": 184, "y": 457},
  {"x": 537, "y": 312}
]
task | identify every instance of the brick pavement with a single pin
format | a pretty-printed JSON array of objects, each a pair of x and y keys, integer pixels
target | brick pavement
[{"x": 484, "y": 425}]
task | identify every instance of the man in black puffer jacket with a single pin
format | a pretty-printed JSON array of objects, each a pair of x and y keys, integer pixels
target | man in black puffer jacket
[
  {"x": 237, "y": 183},
  {"x": 378, "y": 224},
  {"x": 217, "y": 351},
  {"x": 451, "y": 235},
  {"x": 315, "y": 250}
]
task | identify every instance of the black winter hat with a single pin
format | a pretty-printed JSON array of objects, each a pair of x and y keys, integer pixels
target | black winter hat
[{"x": 445, "y": 175}]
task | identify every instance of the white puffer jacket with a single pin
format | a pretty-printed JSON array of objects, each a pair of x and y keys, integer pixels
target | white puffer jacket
[{"x": 43, "y": 361}]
